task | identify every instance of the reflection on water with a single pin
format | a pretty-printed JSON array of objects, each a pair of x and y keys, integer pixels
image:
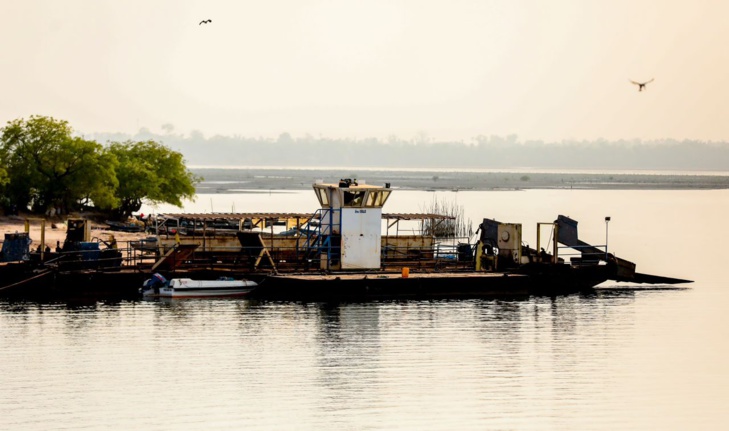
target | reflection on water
[
  {"x": 616, "y": 359},
  {"x": 540, "y": 363}
]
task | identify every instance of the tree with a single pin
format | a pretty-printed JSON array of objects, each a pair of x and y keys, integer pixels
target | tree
[
  {"x": 4, "y": 180},
  {"x": 150, "y": 171},
  {"x": 49, "y": 168},
  {"x": 3, "y": 172}
]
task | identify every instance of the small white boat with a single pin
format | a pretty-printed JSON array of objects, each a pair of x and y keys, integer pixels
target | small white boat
[{"x": 158, "y": 286}]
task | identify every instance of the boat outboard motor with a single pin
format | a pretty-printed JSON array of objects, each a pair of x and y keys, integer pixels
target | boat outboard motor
[{"x": 154, "y": 283}]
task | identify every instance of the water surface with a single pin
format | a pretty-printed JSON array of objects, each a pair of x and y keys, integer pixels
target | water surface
[{"x": 619, "y": 359}]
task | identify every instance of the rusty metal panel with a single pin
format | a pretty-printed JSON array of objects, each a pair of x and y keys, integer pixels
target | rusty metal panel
[
  {"x": 405, "y": 246},
  {"x": 489, "y": 232},
  {"x": 509, "y": 241},
  {"x": 361, "y": 238},
  {"x": 567, "y": 232}
]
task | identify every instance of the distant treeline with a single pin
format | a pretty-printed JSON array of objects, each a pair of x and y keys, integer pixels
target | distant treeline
[{"x": 493, "y": 152}]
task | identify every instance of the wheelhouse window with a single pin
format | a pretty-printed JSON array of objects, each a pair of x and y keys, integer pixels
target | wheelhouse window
[
  {"x": 354, "y": 199},
  {"x": 323, "y": 195},
  {"x": 351, "y": 197},
  {"x": 377, "y": 198}
]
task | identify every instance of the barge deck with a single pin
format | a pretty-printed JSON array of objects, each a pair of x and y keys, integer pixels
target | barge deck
[{"x": 340, "y": 255}]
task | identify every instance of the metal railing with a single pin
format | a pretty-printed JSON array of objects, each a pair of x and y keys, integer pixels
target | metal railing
[
  {"x": 579, "y": 254},
  {"x": 305, "y": 254}
]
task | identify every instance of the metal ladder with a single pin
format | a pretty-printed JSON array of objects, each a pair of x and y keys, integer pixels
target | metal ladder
[{"x": 319, "y": 240}]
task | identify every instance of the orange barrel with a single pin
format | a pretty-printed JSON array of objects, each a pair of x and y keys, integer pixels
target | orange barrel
[{"x": 405, "y": 272}]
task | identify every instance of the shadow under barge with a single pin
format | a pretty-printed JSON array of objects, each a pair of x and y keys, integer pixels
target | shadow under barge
[{"x": 338, "y": 254}]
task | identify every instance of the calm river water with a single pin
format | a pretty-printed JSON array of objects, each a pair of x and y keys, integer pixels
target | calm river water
[{"x": 620, "y": 359}]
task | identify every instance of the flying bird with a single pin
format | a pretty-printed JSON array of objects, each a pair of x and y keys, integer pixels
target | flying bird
[
  {"x": 205, "y": 21},
  {"x": 641, "y": 85}
]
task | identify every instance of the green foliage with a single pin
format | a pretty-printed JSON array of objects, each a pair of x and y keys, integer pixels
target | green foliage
[
  {"x": 4, "y": 179},
  {"x": 150, "y": 171},
  {"x": 49, "y": 168},
  {"x": 43, "y": 166}
]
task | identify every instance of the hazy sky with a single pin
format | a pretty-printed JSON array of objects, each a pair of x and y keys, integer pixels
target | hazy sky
[{"x": 549, "y": 69}]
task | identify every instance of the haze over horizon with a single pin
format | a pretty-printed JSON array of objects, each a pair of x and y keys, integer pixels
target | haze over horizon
[{"x": 349, "y": 69}]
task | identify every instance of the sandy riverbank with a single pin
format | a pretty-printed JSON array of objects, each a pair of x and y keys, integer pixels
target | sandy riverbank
[
  {"x": 55, "y": 230},
  {"x": 250, "y": 180}
]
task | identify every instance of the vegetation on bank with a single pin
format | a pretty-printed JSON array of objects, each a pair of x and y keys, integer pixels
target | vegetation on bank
[
  {"x": 456, "y": 227},
  {"x": 421, "y": 152},
  {"x": 44, "y": 168}
]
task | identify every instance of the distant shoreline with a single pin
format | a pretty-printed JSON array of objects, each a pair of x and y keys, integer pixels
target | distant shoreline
[
  {"x": 252, "y": 179},
  {"x": 267, "y": 180},
  {"x": 519, "y": 170}
]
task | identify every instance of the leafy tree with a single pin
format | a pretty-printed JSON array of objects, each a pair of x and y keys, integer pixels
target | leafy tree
[
  {"x": 4, "y": 180},
  {"x": 49, "y": 168},
  {"x": 3, "y": 172},
  {"x": 150, "y": 171}
]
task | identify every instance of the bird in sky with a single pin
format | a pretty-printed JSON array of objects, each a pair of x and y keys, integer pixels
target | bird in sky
[
  {"x": 641, "y": 85},
  {"x": 205, "y": 21}
]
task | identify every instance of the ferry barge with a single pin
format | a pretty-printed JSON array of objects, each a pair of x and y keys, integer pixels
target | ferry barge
[{"x": 338, "y": 253}]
